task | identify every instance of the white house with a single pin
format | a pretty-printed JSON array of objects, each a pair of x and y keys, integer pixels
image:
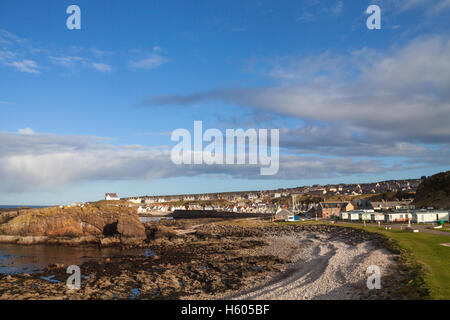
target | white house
[
  {"x": 284, "y": 215},
  {"x": 252, "y": 196},
  {"x": 111, "y": 196},
  {"x": 142, "y": 209},
  {"x": 276, "y": 195},
  {"x": 135, "y": 200}
]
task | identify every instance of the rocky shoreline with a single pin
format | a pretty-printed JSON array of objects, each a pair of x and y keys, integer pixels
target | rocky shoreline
[
  {"x": 202, "y": 260},
  {"x": 125, "y": 242}
]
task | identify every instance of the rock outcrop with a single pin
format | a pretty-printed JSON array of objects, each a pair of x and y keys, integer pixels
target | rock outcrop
[{"x": 88, "y": 222}]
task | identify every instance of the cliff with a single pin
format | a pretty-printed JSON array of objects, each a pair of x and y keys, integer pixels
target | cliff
[{"x": 434, "y": 192}]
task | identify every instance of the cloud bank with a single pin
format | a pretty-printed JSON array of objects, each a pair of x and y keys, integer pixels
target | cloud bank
[
  {"x": 31, "y": 161},
  {"x": 402, "y": 94}
]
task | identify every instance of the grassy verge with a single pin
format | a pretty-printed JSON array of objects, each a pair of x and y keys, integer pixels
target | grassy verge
[{"x": 446, "y": 229}]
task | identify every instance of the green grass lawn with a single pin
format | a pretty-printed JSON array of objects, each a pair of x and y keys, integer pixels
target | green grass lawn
[{"x": 425, "y": 249}]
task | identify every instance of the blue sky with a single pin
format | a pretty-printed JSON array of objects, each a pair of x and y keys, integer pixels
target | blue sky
[{"x": 89, "y": 111}]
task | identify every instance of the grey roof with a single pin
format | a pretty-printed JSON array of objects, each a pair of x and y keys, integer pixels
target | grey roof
[
  {"x": 113, "y": 195},
  {"x": 333, "y": 204}
]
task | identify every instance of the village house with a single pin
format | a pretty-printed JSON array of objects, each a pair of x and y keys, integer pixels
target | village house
[
  {"x": 285, "y": 215},
  {"x": 362, "y": 204},
  {"x": 317, "y": 192},
  {"x": 111, "y": 196},
  {"x": 252, "y": 196},
  {"x": 276, "y": 195},
  {"x": 136, "y": 200},
  {"x": 392, "y": 205},
  {"x": 142, "y": 209},
  {"x": 173, "y": 208},
  {"x": 329, "y": 209}
]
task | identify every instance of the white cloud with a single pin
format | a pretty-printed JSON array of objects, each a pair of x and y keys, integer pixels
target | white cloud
[
  {"x": 28, "y": 66},
  {"x": 22, "y": 55},
  {"x": 441, "y": 6},
  {"x": 150, "y": 61},
  {"x": 337, "y": 10},
  {"x": 75, "y": 63},
  {"x": 6, "y": 54},
  {"x": 26, "y": 131},
  {"x": 428, "y": 6},
  {"x": 67, "y": 61},
  {"x": 311, "y": 10},
  {"x": 101, "y": 67}
]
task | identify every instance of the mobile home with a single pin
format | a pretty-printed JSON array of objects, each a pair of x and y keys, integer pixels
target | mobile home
[
  {"x": 365, "y": 216},
  {"x": 353, "y": 216},
  {"x": 344, "y": 215},
  {"x": 397, "y": 217},
  {"x": 430, "y": 216},
  {"x": 375, "y": 217}
]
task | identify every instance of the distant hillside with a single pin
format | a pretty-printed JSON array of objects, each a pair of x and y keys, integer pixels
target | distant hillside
[{"x": 434, "y": 191}]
